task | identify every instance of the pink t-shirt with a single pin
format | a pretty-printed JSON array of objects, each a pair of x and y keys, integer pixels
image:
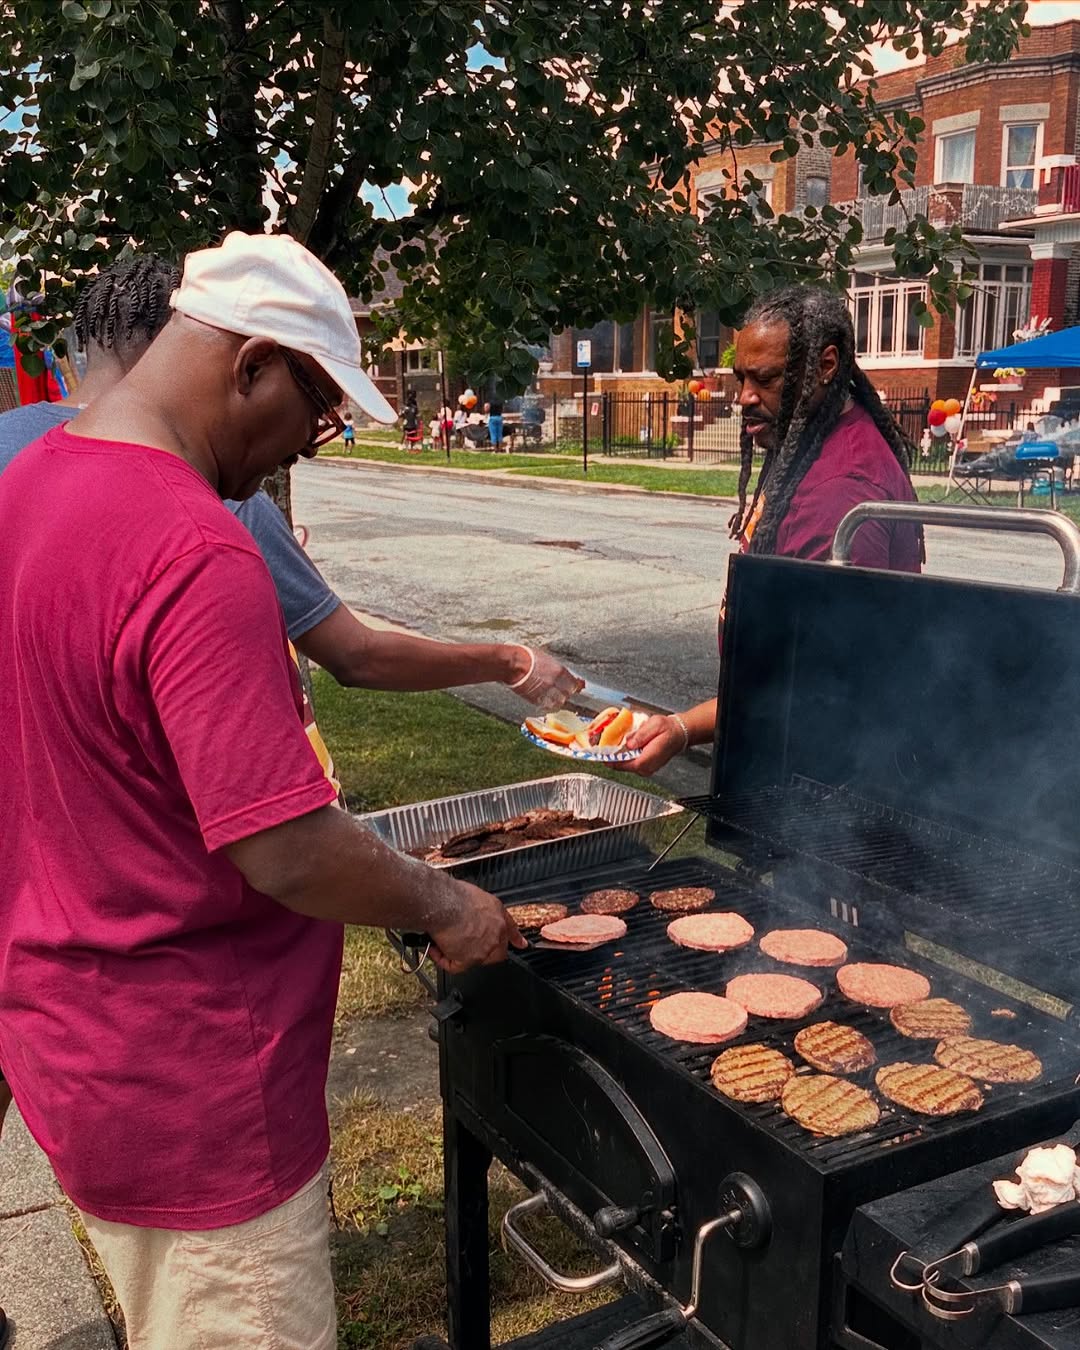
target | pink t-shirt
[{"x": 164, "y": 1027}]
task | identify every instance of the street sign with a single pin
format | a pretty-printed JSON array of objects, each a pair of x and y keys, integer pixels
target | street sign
[{"x": 584, "y": 352}]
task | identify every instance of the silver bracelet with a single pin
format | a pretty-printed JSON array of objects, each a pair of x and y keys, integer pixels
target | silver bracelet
[
  {"x": 685, "y": 733},
  {"x": 532, "y": 665}
]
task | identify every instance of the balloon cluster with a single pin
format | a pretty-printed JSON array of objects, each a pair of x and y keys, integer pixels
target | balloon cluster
[
  {"x": 468, "y": 400},
  {"x": 945, "y": 417},
  {"x": 697, "y": 390}
]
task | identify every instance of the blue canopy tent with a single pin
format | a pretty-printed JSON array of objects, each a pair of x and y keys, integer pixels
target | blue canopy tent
[{"x": 1041, "y": 353}]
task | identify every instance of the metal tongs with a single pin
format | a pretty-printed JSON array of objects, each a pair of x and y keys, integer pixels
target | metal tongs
[{"x": 969, "y": 1250}]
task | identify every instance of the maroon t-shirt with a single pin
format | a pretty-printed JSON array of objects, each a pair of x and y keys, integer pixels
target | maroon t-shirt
[{"x": 855, "y": 465}]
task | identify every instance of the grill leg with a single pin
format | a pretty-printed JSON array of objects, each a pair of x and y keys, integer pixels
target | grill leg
[{"x": 466, "y": 1162}]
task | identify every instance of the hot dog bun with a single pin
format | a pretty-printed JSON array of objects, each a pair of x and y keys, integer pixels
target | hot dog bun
[{"x": 617, "y": 730}]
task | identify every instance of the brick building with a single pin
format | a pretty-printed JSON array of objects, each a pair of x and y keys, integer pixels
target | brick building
[{"x": 998, "y": 157}]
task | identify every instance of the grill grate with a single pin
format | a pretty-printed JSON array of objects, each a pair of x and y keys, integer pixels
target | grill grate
[
  {"x": 988, "y": 881},
  {"x": 620, "y": 981}
]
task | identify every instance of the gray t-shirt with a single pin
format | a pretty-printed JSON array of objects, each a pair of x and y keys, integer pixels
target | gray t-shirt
[{"x": 304, "y": 596}]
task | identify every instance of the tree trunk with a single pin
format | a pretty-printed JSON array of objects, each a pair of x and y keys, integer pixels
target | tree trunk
[{"x": 238, "y": 128}]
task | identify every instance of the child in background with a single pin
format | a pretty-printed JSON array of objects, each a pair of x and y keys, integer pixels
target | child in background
[{"x": 349, "y": 433}]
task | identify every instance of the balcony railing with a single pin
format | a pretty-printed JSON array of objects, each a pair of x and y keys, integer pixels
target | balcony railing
[{"x": 978, "y": 208}]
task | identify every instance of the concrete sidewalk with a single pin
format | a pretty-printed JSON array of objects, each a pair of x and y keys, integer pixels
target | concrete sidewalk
[{"x": 46, "y": 1287}]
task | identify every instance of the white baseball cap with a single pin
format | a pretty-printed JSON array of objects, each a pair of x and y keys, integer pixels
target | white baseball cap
[{"x": 270, "y": 285}]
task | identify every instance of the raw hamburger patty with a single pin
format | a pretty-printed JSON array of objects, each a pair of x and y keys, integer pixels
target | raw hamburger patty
[
  {"x": 930, "y": 1019},
  {"x": 834, "y": 1048},
  {"x": 584, "y": 928},
  {"x": 609, "y": 902},
  {"x": 927, "y": 1089},
  {"x": 774, "y": 995},
  {"x": 711, "y": 932},
  {"x": 988, "y": 1061},
  {"x": 535, "y": 916},
  {"x": 879, "y": 986},
  {"x": 823, "y": 1104},
  {"x": 804, "y": 947},
  {"x": 683, "y": 899},
  {"x": 751, "y": 1073},
  {"x": 705, "y": 1019}
]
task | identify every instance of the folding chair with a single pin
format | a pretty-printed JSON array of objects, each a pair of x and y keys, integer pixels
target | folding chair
[{"x": 968, "y": 483}]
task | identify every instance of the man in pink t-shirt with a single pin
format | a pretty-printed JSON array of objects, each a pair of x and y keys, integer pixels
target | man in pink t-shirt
[
  {"x": 176, "y": 881},
  {"x": 829, "y": 444}
]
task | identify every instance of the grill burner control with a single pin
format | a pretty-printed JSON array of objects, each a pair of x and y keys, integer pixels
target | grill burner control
[
  {"x": 612, "y": 1219},
  {"x": 753, "y": 1227}
]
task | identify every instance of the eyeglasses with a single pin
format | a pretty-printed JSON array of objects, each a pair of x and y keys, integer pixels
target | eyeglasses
[{"x": 330, "y": 425}]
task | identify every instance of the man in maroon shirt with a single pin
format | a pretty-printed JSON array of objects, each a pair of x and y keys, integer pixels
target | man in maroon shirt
[{"x": 829, "y": 444}]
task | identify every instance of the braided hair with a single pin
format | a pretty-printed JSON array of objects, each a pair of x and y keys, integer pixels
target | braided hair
[
  {"x": 816, "y": 318},
  {"x": 129, "y": 298}
]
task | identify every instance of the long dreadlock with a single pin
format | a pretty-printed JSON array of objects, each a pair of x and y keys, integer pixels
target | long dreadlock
[
  {"x": 816, "y": 318},
  {"x": 128, "y": 298}
]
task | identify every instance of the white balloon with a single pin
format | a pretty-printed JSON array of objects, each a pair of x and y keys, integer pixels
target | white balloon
[
  {"x": 953, "y": 423},
  {"x": 939, "y": 431},
  {"x": 468, "y": 394}
]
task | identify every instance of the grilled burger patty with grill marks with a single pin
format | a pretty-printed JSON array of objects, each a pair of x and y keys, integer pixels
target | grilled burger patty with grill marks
[
  {"x": 823, "y": 1104},
  {"x": 881, "y": 986},
  {"x": 683, "y": 899},
  {"x": 609, "y": 902},
  {"x": 751, "y": 1073},
  {"x": 834, "y": 1048},
  {"x": 804, "y": 947},
  {"x": 584, "y": 928},
  {"x": 774, "y": 995},
  {"x": 528, "y": 917},
  {"x": 930, "y": 1019},
  {"x": 928, "y": 1090},
  {"x": 988, "y": 1061}
]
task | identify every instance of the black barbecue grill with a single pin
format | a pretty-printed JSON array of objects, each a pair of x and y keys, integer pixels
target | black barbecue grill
[{"x": 869, "y": 779}]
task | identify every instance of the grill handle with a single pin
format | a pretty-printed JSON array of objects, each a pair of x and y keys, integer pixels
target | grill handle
[
  {"x": 566, "y": 1284},
  {"x": 648, "y": 1333},
  {"x": 1059, "y": 527}
]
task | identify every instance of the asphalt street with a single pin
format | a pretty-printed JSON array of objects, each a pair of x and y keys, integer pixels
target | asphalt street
[{"x": 623, "y": 587}]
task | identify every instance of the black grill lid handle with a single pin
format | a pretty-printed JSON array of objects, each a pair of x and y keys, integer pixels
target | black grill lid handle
[
  {"x": 649, "y": 1332},
  {"x": 1059, "y": 527}
]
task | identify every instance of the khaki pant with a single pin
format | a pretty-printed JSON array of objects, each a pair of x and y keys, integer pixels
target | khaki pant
[{"x": 263, "y": 1284}]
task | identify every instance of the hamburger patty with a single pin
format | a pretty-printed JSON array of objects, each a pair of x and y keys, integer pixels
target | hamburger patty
[
  {"x": 535, "y": 916},
  {"x": 928, "y": 1090},
  {"x": 683, "y": 899},
  {"x": 930, "y": 1019},
  {"x": 609, "y": 902},
  {"x": 834, "y": 1048},
  {"x": 751, "y": 1073},
  {"x": 584, "y": 928},
  {"x": 804, "y": 947},
  {"x": 881, "y": 986},
  {"x": 774, "y": 995},
  {"x": 823, "y": 1104},
  {"x": 710, "y": 932},
  {"x": 705, "y": 1019},
  {"x": 988, "y": 1061}
]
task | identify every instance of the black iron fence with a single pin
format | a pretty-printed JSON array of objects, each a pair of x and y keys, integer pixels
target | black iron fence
[{"x": 706, "y": 430}]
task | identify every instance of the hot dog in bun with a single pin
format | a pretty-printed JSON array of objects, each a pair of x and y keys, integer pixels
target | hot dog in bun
[{"x": 605, "y": 734}]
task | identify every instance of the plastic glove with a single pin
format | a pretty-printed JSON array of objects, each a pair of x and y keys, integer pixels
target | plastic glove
[{"x": 547, "y": 684}]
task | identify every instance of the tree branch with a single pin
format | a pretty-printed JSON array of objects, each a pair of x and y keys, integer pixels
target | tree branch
[
  {"x": 238, "y": 128},
  {"x": 305, "y": 212}
]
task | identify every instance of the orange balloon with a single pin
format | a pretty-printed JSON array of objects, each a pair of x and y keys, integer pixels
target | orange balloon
[
  {"x": 694, "y": 386},
  {"x": 938, "y": 405},
  {"x": 952, "y": 405}
]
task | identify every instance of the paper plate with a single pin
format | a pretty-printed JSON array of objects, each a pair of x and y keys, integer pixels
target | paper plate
[{"x": 575, "y": 752}]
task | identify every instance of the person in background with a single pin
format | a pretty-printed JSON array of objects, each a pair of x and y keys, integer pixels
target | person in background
[
  {"x": 412, "y": 428},
  {"x": 348, "y": 434},
  {"x": 495, "y": 423},
  {"x": 177, "y": 874},
  {"x": 829, "y": 444},
  {"x": 460, "y": 418}
]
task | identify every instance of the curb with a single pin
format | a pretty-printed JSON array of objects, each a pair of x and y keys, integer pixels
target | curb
[{"x": 506, "y": 477}]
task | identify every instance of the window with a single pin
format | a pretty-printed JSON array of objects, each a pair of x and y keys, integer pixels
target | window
[
  {"x": 660, "y": 326},
  {"x": 956, "y": 157},
  {"x": 999, "y": 305},
  {"x": 710, "y": 344},
  {"x": 419, "y": 359},
  {"x": 817, "y": 190},
  {"x": 761, "y": 195},
  {"x": 612, "y": 346},
  {"x": 1021, "y": 146},
  {"x": 884, "y": 312},
  {"x": 626, "y": 346}
]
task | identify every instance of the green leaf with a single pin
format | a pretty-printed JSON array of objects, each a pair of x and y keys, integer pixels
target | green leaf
[
  {"x": 388, "y": 1192},
  {"x": 73, "y": 11},
  {"x": 98, "y": 8},
  {"x": 33, "y": 364}
]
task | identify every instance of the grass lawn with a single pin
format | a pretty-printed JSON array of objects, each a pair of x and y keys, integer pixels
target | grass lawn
[
  {"x": 701, "y": 482},
  {"x": 459, "y": 459}
]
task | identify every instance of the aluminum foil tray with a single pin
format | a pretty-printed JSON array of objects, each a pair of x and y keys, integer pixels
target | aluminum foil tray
[{"x": 639, "y": 822}]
